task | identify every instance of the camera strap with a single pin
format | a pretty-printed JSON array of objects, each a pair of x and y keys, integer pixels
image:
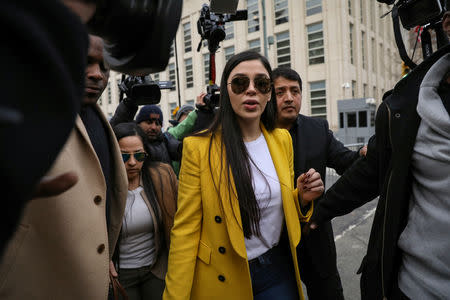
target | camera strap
[{"x": 398, "y": 39}]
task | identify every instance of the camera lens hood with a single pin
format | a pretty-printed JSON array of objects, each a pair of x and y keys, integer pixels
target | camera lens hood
[{"x": 137, "y": 33}]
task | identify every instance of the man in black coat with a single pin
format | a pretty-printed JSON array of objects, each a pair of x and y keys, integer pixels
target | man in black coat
[
  {"x": 314, "y": 147},
  {"x": 163, "y": 146}
]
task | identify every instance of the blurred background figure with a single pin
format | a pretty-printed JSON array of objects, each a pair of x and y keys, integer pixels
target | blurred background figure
[{"x": 181, "y": 114}]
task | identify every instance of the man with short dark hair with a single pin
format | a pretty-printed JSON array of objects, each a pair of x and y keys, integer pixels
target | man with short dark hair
[
  {"x": 314, "y": 147},
  {"x": 63, "y": 245},
  {"x": 150, "y": 119}
]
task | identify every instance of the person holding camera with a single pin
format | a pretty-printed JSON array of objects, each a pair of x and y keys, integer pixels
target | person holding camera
[
  {"x": 142, "y": 250},
  {"x": 408, "y": 166},
  {"x": 163, "y": 146},
  {"x": 238, "y": 219}
]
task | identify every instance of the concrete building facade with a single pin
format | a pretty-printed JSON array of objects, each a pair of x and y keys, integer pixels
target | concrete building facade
[{"x": 342, "y": 49}]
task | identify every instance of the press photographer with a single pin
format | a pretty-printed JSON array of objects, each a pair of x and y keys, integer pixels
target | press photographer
[
  {"x": 143, "y": 91},
  {"x": 211, "y": 28},
  {"x": 407, "y": 166}
]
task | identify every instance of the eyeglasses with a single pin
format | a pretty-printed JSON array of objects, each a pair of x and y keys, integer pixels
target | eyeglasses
[
  {"x": 139, "y": 156},
  {"x": 240, "y": 84}
]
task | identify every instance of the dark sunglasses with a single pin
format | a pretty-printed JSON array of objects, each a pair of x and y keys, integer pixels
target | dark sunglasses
[
  {"x": 239, "y": 84},
  {"x": 139, "y": 156}
]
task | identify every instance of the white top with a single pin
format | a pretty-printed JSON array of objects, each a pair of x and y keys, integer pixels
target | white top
[
  {"x": 268, "y": 195},
  {"x": 137, "y": 246}
]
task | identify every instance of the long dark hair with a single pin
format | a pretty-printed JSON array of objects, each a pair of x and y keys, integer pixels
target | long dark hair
[
  {"x": 237, "y": 157},
  {"x": 132, "y": 129}
]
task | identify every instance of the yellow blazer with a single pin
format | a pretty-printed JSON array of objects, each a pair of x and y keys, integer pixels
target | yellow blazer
[{"x": 205, "y": 222}]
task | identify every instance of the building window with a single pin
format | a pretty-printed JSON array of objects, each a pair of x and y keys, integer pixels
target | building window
[
  {"x": 372, "y": 14},
  {"x": 318, "y": 99},
  {"x": 360, "y": 140},
  {"x": 350, "y": 7},
  {"x": 187, "y": 37},
  {"x": 381, "y": 56},
  {"x": 171, "y": 51},
  {"x": 313, "y": 7},
  {"x": 229, "y": 52},
  {"x": 206, "y": 67},
  {"x": 281, "y": 12},
  {"x": 155, "y": 76},
  {"x": 100, "y": 102},
  {"x": 315, "y": 43},
  {"x": 390, "y": 64},
  {"x": 374, "y": 92},
  {"x": 365, "y": 91},
  {"x": 341, "y": 120},
  {"x": 362, "y": 10},
  {"x": 363, "y": 49},
  {"x": 374, "y": 57},
  {"x": 353, "y": 88},
  {"x": 362, "y": 119},
  {"x": 254, "y": 45},
  {"x": 351, "y": 119},
  {"x": 253, "y": 15},
  {"x": 189, "y": 73},
  {"x": 190, "y": 102},
  {"x": 109, "y": 93},
  {"x": 283, "y": 49},
  {"x": 229, "y": 31},
  {"x": 351, "y": 43},
  {"x": 172, "y": 75},
  {"x": 372, "y": 118}
]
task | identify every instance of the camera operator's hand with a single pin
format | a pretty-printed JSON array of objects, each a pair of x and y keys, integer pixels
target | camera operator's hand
[
  {"x": 199, "y": 103},
  {"x": 130, "y": 103},
  {"x": 54, "y": 185}
]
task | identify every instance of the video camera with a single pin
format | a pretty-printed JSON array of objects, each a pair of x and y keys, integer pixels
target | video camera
[
  {"x": 211, "y": 27},
  {"x": 137, "y": 34},
  {"x": 412, "y": 13},
  {"x": 142, "y": 90}
]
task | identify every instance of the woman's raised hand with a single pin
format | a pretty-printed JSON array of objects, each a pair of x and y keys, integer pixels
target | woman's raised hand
[{"x": 310, "y": 186}]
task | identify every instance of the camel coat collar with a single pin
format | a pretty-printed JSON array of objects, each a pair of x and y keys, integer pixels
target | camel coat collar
[{"x": 118, "y": 176}]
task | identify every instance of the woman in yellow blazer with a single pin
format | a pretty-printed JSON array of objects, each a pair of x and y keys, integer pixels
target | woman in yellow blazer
[{"x": 238, "y": 220}]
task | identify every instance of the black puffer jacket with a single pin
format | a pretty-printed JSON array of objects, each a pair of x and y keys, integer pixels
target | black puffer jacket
[
  {"x": 165, "y": 148},
  {"x": 386, "y": 171}
]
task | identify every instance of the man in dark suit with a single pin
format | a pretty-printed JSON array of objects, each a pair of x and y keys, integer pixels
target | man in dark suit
[{"x": 314, "y": 147}]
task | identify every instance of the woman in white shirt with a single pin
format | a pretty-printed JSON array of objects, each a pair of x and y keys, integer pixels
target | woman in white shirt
[
  {"x": 238, "y": 220},
  {"x": 141, "y": 253}
]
